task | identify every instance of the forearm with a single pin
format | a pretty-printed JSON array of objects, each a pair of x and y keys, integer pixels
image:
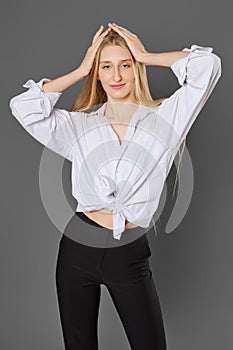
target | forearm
[
  {"x": 63, "y": 82},
  {"x": 165, "y": 59}
]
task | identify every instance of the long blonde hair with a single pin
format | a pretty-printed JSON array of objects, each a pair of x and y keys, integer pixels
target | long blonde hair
[{"x": 93, "y": 94}]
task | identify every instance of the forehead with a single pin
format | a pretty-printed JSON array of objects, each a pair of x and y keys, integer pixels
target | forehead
[{"x": 114, "y": 53}]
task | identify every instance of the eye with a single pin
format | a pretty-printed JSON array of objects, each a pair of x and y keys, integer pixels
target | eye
[{"x": 125, "y": 64}]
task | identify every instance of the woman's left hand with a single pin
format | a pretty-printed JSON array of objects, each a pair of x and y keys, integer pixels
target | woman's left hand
[{"x": 133, "y": 42}]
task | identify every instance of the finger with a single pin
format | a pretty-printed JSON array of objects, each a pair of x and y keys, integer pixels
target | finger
[
  {"x": 126, "y": 31},
  {"x": 122, "y": 32},
  {"x": 99, "y": 36},
  {"x": 122, "y": 28},
  {"x": 98, "y": 40},
  {"x": 99, "y": 30},
  {"x": 102, "y": 35},
  {"x": 118, "y": 26},
  {"x": 107, "y": 31},
  {"x": 118, "y": 30}
]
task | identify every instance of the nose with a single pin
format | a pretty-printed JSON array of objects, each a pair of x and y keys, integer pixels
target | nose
[{"x": 117, "y": 75}]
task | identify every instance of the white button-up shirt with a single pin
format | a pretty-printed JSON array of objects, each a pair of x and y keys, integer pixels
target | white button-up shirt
[{"x": 126, "y": 178}]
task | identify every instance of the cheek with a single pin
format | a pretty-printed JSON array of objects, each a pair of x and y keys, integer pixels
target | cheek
[
  {"x": 130, "y": 77},
  {"x": 132, "y": 80},
  {"x": 102, "y": 78}
]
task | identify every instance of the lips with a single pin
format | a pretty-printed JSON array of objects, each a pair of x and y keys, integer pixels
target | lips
[{"x": 117, "y": 86}]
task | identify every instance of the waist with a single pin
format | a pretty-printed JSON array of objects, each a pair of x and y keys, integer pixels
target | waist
[{"x": 105, "y": 218}]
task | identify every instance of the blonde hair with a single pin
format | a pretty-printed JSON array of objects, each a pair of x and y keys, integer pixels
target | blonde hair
[{"x": 93, "y": 94}]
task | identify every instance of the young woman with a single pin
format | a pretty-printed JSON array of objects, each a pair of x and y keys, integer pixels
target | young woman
[{"x": 122, "y": 144}]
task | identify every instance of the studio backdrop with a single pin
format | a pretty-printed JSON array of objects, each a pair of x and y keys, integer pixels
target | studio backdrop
[{"x": 191, "y": 254}]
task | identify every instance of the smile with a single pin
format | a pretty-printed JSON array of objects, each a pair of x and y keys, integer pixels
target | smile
[{"x": 117, "y": 86}]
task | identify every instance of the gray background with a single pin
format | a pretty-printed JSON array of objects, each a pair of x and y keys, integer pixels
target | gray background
[{"x": 192, "y": 266}]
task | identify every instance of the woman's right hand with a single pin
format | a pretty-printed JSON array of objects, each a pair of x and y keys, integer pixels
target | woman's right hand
[
  {"x": 63, "y": 82},
  {"x": 88, "y": 60}
]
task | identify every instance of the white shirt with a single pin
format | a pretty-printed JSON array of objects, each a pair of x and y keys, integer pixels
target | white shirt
[{"x": 125, "y": 178}]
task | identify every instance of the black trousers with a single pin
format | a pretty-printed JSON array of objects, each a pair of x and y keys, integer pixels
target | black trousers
[{"x": 124, "y": 270}]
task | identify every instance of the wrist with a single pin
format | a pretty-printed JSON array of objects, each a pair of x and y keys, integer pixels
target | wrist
[
  {"x": 165, "y": 59},
  {"x": 148, "y": 58},
  {"x": 79, "y": 74}
]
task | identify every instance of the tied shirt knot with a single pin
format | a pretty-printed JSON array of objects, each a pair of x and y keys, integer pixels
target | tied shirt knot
[{"x": 110, "y": 193}]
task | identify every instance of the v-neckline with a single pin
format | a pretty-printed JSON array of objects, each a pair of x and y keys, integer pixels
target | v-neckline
[{"x": 130, "y": 127}]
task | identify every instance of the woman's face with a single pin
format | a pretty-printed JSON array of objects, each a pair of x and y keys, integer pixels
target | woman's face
[{"x": 115, "y": 68}]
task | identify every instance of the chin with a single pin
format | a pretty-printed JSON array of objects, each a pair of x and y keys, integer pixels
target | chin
[{"x": 117, "y": 95}]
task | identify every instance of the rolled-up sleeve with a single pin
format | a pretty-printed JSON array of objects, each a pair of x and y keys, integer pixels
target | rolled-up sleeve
[
  {"x": 197, "y": 73},
  {"x": 34, "y": 109}
]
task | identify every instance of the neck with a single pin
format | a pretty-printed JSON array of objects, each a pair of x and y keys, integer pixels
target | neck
[{"x": 120, "y": 111}]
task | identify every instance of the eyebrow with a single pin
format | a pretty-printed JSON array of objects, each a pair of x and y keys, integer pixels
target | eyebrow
[{"x": 127, "y": 59}]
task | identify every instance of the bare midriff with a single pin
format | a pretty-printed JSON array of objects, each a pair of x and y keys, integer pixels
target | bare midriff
[{"x": 103, "y": 217}]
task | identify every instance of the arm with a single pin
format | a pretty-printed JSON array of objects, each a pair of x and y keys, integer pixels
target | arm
[
  {"x": 165, "y": 59},
  {"x": 197, "y": 72},
  {"x": 62, "y": 83},
  {"x": 35, "y": 111},
  {"x": 65, "y": 81}
]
